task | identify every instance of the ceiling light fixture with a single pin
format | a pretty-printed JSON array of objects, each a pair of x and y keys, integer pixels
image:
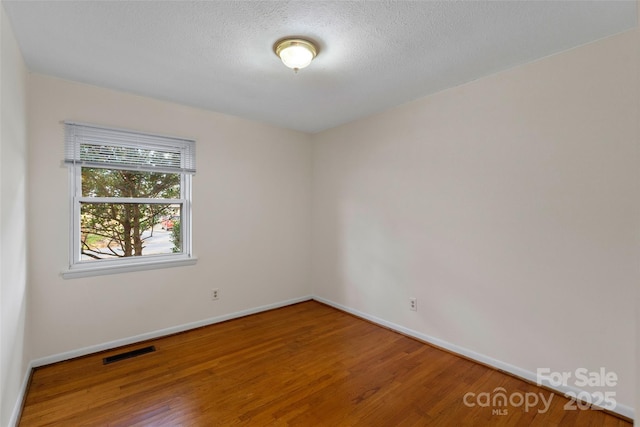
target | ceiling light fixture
[{"x": 295, "y": 53}]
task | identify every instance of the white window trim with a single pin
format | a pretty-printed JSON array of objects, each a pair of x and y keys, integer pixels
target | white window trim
[
  {"x": 78, "y": 268},
  {"x": 75, "y": 272}
]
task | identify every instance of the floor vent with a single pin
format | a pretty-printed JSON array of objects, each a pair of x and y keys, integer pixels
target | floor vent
[{"x": 128, "y": 355}]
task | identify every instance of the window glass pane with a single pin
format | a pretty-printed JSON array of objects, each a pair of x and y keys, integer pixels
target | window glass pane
[
  {"x": 98, "y": 182},
  {"x": 119, "y": 230}
]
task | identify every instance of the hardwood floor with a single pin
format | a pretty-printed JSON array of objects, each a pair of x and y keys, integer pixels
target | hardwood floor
[{"x": 306, "y": 364}]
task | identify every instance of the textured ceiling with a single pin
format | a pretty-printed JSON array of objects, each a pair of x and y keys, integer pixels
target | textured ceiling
[{"x": 373, "y": 55}]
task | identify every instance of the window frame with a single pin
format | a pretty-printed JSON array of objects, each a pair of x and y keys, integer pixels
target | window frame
[{"x": 84, "y": 268}]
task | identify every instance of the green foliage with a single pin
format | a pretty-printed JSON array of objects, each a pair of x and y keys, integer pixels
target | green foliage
[
  {"x": 176, "y": 237},
  {"x": 121, "y": 225},
  {"x": 124, "y": 183}
]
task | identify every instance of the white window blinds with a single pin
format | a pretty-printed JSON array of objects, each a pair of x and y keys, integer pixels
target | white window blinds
[{"x": 99, "y": 147}]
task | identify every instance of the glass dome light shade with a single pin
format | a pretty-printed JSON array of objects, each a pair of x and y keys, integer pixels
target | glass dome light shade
[{"x": 295, "y": 53}]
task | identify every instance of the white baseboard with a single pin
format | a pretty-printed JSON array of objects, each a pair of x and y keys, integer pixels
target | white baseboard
[
  {"x": 161, "y": 333},
  {"x": 624, "y": 410},
  {"x": 17, "y": 408}
]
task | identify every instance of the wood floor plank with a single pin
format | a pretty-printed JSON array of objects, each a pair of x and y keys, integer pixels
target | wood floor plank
[{"x": 302, "y": 365}]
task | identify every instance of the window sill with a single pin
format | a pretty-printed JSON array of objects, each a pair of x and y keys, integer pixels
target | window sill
[{"x": 102, "y": 270}]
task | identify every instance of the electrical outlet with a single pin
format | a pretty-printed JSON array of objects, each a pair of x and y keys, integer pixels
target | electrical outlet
[
  {"x": 413, "y": 304},
  {"x": 215, "y": 294}
]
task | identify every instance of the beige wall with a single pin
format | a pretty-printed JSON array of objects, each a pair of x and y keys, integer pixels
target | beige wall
[
  {"x": 508, "y": 207},
  {"x": 250, "y": 220},
  {"x": 14, "y": 352}
]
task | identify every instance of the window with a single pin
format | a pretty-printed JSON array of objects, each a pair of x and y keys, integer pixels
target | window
[{"x": 130, "y": 196}]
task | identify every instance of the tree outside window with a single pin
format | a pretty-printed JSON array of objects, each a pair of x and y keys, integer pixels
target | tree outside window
[{"x": 117, "y": 230}]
